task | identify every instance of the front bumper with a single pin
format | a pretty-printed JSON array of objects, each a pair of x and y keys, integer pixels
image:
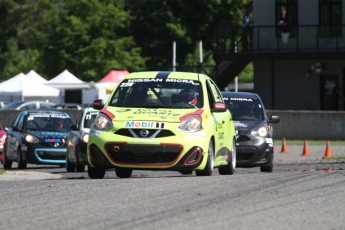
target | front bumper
[
  {"x": 42, "y": 154},
  {"x": 257, "y": 151},
  {"x": 148, "y": 153}
]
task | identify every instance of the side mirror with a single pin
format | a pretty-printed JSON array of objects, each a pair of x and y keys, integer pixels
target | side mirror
[
  {"x": 98, "y": 104},
  {"x": 15, "y": 128},
  {"x": 219, "y": 107},
  {"x": 274, "y": 119}
]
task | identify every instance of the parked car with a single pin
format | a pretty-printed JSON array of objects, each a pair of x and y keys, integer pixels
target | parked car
[
  {"x": 27, "y": 105},
  {"x": 37, "y": 137},
  {"x": 185, "y": 127},
  {"x": 67, "y": 106},
  {"x": 76, "y": 157},
  {"x": 3, "y": 104},
  {"x": 2, "y": 140},
  {"x": 254, "y": 131}
]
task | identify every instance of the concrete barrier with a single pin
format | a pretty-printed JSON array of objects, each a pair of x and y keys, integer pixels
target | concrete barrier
[
  {"x": 294, "y": 124},
  {"x": 309, "y": 124}
]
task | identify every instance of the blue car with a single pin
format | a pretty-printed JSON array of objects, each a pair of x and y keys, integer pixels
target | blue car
[{"x": 37, "y": 137}]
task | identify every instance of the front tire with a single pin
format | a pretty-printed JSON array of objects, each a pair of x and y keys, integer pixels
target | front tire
[
  {"x": 21, "y": 162},
  {"x": 7, "y": 164},
  {"x": 123, "y": 172},
  {"x": 230, "y": 168},
  {"x": 96, "y": 173},
  {"x": 207, "y": 171},
  {"x": 268, "y": 168},
  {"x": 70, "y": 167},
  {"x": 79, "y": 167}
]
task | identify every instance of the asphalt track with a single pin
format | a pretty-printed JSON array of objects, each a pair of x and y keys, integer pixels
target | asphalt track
[{"x": 303, "y": 192}]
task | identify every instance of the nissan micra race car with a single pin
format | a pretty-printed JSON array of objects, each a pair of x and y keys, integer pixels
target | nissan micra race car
[
  {"x": 254, "y": 130},
  {"x": 162, "y": 121}
]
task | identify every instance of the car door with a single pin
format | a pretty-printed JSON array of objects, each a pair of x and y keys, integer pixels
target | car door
[
  {"x": 222, "y": 119},
  {"x": 13, "y": 136}
]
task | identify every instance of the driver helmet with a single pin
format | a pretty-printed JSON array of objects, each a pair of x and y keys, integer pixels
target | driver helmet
[{"x": 188, "y": 96}]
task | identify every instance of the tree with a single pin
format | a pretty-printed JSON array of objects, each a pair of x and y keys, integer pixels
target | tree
[{"x": 87, "y": 37}]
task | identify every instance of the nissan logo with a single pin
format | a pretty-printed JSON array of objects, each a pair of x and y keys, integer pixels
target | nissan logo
[{"x": 144, "y": 133}]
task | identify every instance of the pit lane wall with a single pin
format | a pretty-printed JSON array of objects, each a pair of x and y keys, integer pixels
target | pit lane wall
[{"x": 294, "y": 124}]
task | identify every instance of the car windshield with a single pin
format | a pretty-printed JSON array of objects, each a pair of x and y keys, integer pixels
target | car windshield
[
  {"x": 89, "y": 119},
  {"x": 158, "y": 93},
  {"x": 48, "y": 122},
  {"x": 249, "y": 109}
]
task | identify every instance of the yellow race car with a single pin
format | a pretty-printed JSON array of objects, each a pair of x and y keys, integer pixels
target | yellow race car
[{"x": 173, "y": 121}]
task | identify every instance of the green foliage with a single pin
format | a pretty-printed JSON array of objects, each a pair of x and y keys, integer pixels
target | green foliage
[
  {"x": 247, "y": 74},
  {"x": 92, "y": 37}
]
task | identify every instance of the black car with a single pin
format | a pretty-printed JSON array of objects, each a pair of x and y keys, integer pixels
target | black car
[
  {"x": 254, "y": 130},
  {"x": 37, "y": 137},
  {"x": 76, "y": 157}
]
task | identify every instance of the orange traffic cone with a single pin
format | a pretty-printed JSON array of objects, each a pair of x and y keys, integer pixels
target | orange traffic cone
[
  {"x": 328, "y": 152},
  {"x": 306, "y": 170},
  {"x": 284, "y": 148},
  {"x": 328, "y": 170},
  {"x": 306, "y": 149}
]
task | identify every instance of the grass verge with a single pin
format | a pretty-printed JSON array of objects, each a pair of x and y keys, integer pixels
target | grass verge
[{"x": 2, "y": 171}]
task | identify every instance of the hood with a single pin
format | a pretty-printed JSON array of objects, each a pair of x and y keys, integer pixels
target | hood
[
  {"x": 142, "y": 114},
  {"x": 248, "y": 125},
  {"x": 49, "y": 134}
]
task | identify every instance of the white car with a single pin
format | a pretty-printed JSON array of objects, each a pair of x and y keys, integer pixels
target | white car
[{"x": 26, "y": 105}]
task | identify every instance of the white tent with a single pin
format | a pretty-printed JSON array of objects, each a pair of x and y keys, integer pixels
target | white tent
[
  {"x": 22, "y": 87},
  {"x": 66, "y": 80},
  {"x": 36, "y": 77}
]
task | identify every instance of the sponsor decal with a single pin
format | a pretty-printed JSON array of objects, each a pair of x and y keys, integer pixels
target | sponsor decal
[
  {"x": 88, "y": 116},
  {"x": 139, "y": 124},
  {"x": 156, "y": 112},
  {"x": 239, "y": 99},
  {"x": 160, "y": 125},
  {"x": 126, "y": 84},
  {"x": 193, "y": 136},
  {"x": 33, "y": 115},
  {"x": 52, "y": 140},
  {"x": 24, "y": 147},
  {"x": 131, "y": 81},
  {"x": 239, "y": 124},
  {"x": 95, "y": 133}
]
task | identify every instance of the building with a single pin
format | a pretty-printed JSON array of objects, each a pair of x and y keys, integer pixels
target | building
[{"x": 299, "y": 76}]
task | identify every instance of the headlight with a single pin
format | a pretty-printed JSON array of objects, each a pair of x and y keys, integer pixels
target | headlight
[
  {"x": 86, "y": 137},
  {"x": 3, "y": 138},
  {"x": 261, "y": 132},
  {"x": 103, "y": 122},
  {"x": 191, "y": 124},
  {"x": 31, "y": 139}
]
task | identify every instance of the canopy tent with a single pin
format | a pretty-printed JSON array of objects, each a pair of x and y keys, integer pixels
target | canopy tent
[
  {"x": 114, "y": 76},
  {"x": 22, "y": 86},
  {"x": 67, "y": 80},
  {"x": 36, "y": 77}
]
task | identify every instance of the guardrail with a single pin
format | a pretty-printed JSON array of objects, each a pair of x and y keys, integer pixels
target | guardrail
[{"x": 305, "y": 38}]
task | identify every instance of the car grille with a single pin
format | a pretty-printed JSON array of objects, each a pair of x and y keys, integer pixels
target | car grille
[
  {"x": 143, "y": 154},
  {"x": 153, "y": 133},
  {"x": 244, "y": 156},
  {"x": 53, "y": 145}
]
